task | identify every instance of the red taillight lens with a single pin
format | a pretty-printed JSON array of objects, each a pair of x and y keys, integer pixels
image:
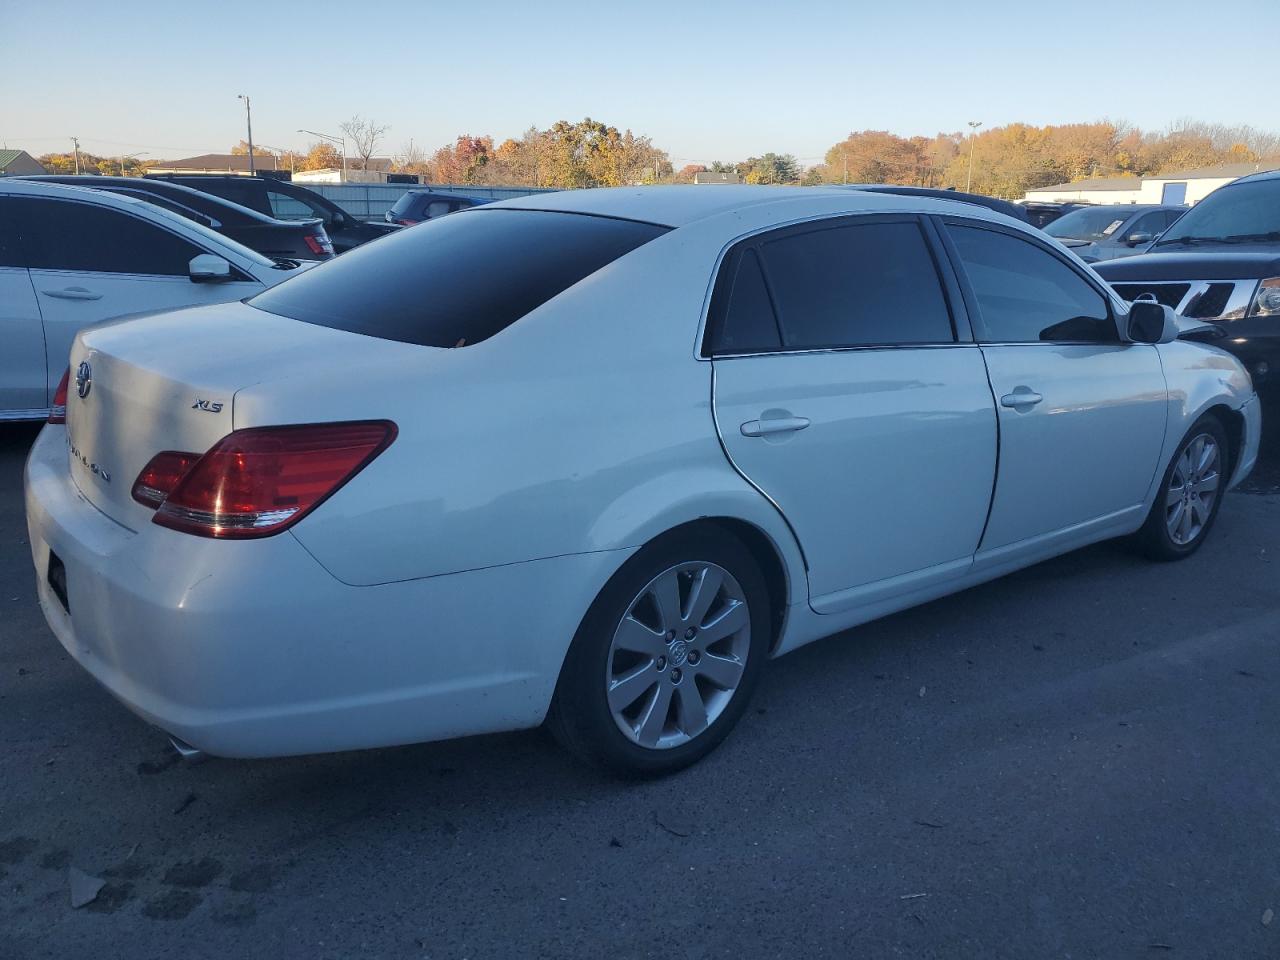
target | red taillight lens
[
  {"x": 259, "y": 481},
  {"x": 161, "y": 475},
  {"x": 405, "y": 222},
  {"x": 319, "y": 244},
  {"x": 58, "y": 412}
]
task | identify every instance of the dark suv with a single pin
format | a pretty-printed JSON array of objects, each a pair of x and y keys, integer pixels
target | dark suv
[
  {"x": 284, "y": 200},
  {"x": 288, "y": 239},
  {"x": 1220, "y": 262},
  {"x": 418, "y": 205}
]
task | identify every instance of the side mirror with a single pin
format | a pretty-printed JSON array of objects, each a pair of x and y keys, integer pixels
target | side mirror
[
  {"x": 1136, "y": 239},
  {"x": 208, "y": 268},
  {"x": 1151, "y": 322}
]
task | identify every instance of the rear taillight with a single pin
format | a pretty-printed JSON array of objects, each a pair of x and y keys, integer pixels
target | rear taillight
[
  {"x": 405, "y": 222},
  {"x": 319, "y": 244},
  {"x": 161, "y": 475},
  {"x": 58, "y": 412},
  {"x": 261, "y": 480}
]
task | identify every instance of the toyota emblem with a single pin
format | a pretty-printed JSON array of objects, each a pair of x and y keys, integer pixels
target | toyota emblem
[{"x": 84, "y": 379}]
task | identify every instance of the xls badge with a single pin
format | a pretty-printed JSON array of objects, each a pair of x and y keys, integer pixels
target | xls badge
[{"x": 208, "y": 406}]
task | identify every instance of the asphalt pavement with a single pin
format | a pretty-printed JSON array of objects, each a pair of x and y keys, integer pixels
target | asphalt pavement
[{"x": 1077, "y": 761}]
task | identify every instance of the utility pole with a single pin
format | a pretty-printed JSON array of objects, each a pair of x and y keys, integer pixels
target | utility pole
[
  {"x": 248, "y": 122},
  {"x": 76, "y": 142},
  {"x": 846, "y": 167},
  {"x": 973, "y": 133}
]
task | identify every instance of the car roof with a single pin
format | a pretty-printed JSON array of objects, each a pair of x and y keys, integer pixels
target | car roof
[
  {"x": 676, "y": 206},
  {"x": 1252, "y": 177},
  {"x": 21, "y": 186},
  {"x": 160, "y": 187}
]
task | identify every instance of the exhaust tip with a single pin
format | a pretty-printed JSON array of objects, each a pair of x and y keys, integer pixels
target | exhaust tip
[{"x": 187, "y": 752}]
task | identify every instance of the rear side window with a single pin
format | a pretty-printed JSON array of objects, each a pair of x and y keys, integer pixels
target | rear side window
[
  {"x": 861, "y": 284},
  {"x": 285, "y": 207},
  {"x": 846, "y": 284},
  {"x": 10, "y": 234},
  {"x": 67, "y": 235},
  {"x": 455, "y": 281},
  {"x": 1025, "y": 294}
]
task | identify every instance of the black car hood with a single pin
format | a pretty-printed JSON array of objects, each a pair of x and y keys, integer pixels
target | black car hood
[{"x": 1226, "y": 262}]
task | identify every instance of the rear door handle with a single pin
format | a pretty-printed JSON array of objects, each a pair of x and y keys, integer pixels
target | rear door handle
[
  {"x": 765, "y": 428},
  {"x": 72, "y": 293},
  {"x": 1020, "y": 398}
]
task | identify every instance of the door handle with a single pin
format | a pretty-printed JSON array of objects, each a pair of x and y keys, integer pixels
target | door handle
[
  {"x": 765, "y": 428},
  {"x": 1020, "y": 398},
  {"x": 72, "y": 293}
]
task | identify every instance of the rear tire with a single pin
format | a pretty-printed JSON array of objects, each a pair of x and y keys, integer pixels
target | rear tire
[
  {"x": 667, "y": 657},
  {"x": 1189, "y": 495}
]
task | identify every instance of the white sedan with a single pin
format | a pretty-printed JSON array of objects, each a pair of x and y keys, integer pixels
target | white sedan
[
  {"x": 593, "y": 458},
  {"x": 71, "y": 257}
]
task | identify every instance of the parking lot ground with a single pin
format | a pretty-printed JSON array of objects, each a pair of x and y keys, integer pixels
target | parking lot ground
[{"x": 1079, "y": 760}]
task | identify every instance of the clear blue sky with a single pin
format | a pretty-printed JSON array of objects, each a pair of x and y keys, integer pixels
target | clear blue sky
[{"x": 706, "y": 81}]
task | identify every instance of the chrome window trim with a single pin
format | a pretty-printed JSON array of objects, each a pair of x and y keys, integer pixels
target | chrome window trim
[{"x": 860, "y": 348}]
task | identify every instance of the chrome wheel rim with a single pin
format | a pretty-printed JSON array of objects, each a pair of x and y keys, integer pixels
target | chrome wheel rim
[
  {"x": 677, "y": 656},
  {"x": 1193, "y": 488}
]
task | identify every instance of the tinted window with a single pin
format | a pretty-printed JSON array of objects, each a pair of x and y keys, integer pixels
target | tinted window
[
  {"x": 10, "y": 234},
  {"x": 1094, "y": 224},
  {"x": 1240, "y": 211},
  {"x": 456, "y": 280},
  {"x": 64, "y": 235},
  {"x": 856, "y": 285},
  {"x": 437, "y": 208},
  {"x": 1026, "y": 294},
  {"x": 285, "y": 207},
  {"x": 742, "y": 318},
  {"x": 1171, "y": 217}
]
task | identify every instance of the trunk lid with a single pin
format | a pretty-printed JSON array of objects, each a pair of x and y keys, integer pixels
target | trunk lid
[{"x": 168, "y": 382}]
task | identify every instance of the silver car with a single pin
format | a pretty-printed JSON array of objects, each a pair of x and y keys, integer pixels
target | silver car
[{"x": 1113, "y": 230}]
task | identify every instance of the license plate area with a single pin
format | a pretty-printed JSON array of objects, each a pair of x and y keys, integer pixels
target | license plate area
[{"x": 57, "y": 577}]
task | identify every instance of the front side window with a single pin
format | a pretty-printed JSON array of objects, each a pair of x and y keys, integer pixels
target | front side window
[
  {"x": 455, "y": 281},
  {"x": 1025, "y": 294},
  {"x": 1092, "y": 224},
  {"x": 69, "y": 235}
]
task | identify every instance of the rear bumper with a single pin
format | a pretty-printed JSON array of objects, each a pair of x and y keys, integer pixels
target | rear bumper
[{"x": 252, "y": 649}]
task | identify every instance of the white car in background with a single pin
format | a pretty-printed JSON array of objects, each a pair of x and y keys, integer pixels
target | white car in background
[
  {"x": 71, "y": 257},
  {"x": 595, "y": 457}
]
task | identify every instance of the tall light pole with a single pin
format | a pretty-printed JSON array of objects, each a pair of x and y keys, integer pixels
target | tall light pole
[
  {"x": 75, "y": 141},
  {"x": 339, "y": 140},
  {"x": 248, "y": 122},
  {"x": 973, "y": 134}
]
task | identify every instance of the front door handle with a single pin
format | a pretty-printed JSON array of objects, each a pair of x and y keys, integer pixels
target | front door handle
[
  {"x": 72, "y": 293},
  {"x": 765, "y": 428},
  {"x": 1021, "y": 398}
]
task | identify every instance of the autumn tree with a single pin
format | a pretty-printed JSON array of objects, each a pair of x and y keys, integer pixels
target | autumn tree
[{"x": 321, "y": 155}]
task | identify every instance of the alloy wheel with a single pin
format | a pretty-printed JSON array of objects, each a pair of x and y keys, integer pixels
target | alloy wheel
[
  {"x": 1193, "y": 488},
  {"x": 678, "y": 655}
]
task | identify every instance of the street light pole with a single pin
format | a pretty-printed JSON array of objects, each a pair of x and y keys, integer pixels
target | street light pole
[
  {"x": 332, "y": 139},
  {"x": 248, "y": 122},
  {"x": 76, "y": 143},
  {"x": 973, "y": 133}
]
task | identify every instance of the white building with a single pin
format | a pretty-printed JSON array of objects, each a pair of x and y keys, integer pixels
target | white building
[{"x": 1185, "y": 186}]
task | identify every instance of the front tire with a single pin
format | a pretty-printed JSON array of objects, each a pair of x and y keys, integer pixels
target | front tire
[
  {"x": 667, "y": 657},
  {"x": 1190, "y": 494}
]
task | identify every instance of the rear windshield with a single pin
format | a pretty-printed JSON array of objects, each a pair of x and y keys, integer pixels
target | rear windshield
[
  {"x": 407, "y": 200},
  {"x": 1094, "y": 224},
  {"x": 457, "y": 280}
]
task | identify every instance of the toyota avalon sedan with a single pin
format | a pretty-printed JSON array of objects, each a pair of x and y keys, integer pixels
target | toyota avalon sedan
[{"x": 594, "y": 458}]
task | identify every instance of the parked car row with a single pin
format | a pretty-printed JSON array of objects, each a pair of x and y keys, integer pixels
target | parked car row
[{"x": 678, "y": 433}]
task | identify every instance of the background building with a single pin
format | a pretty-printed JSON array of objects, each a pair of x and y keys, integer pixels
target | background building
[
  {"x": 16, "y": 163},
  {"x": 1184, "y": 186}
]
